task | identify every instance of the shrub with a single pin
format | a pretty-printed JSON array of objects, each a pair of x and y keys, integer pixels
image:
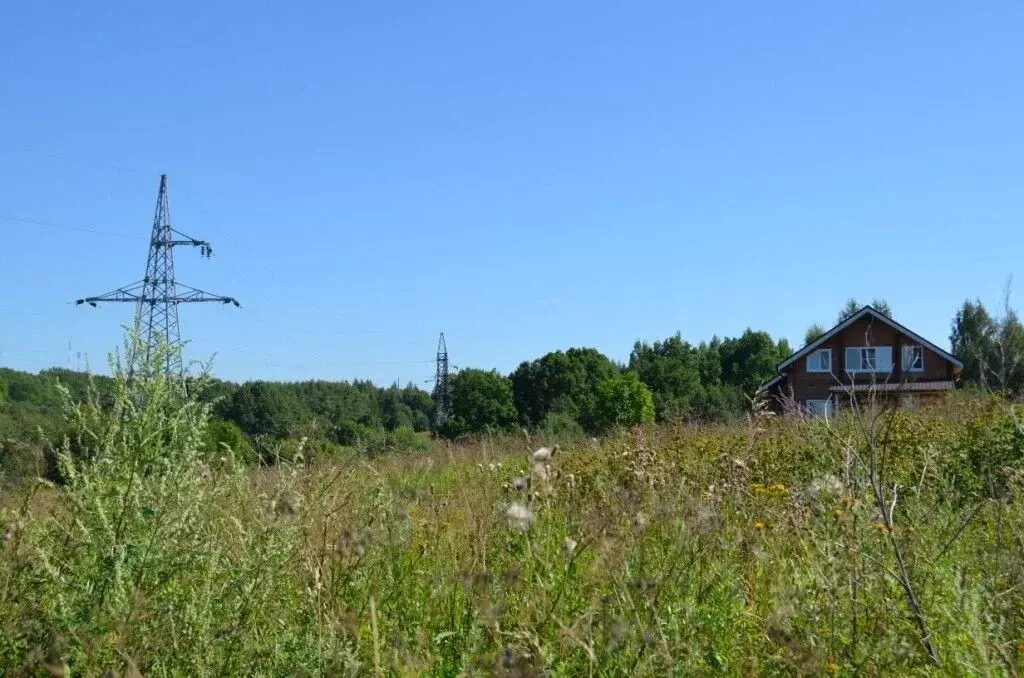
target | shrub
[
  {"x": 405, "y": 439},
  {"x": 220, "y": 434},
  {"x": 623, "y": 400},
  {"x": 561, "y": 427}
]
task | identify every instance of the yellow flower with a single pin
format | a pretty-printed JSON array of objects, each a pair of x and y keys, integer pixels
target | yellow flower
[
  {"x": 838, "y": 513},
  {"x": 759, "y": 525},
  {"x": 779, "y": 487},
  {"x": 832, "y": 667}
]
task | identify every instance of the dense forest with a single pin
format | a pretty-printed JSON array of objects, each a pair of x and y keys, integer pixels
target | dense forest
[{"x": 564, "y": 393}]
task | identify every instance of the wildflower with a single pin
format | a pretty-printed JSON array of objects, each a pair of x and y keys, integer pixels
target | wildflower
[
  {"x": 759, "y": 525},
  {"x": 832, "y": 668},
  {"x": 779, "y": 487},
  {"x": 491, "y": 467},
  {"x": 838, "y": 513},
  {"x": 520, "y": 518},
  {"x": 569, "y": 545},
  {"x": 540, "y": 472}
]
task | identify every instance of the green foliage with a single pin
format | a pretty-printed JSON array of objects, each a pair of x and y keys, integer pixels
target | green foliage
[
  {"x": 623, "y": 400},
  {"x": 562, "y": 381},
  {"x": 481, "y": 401},
  {"x": 265, "y": 409},
  {"x": 991, "y": 348},
  {"x": 149, "y": 551},
  {"x": 671, "y": 369},
  {"x": 741, "y": 550},
  {"x": 751, "y": 359},
  {"x": 852, "y": 306},
  {"x": 562, "y": 427},
  {"x": 222, "y": 436},
  {"x": 813, "y": 333},
  {"x": 708, "y": 382}
]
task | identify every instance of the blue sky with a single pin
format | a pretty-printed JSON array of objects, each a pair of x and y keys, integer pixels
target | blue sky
[{"x": 524, "y": 176}]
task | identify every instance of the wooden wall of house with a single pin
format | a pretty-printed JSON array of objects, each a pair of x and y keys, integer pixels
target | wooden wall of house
[{"x": 867, "y": 331}]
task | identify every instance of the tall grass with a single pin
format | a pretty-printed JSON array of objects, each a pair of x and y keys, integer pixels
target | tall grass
[{"x": 728, "y": 551}]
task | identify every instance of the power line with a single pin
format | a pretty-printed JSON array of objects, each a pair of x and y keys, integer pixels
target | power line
[
  {"x": 116, "y": 168},
  {"x": 69, "y": 227}
]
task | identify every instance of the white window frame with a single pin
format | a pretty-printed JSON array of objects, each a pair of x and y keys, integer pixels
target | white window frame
[
  {"x": 830, "y": 407},
  {"x": 874, "y": 352},
  {"x": 815, "y": 354},
  {"x": 903, "y": 358}
]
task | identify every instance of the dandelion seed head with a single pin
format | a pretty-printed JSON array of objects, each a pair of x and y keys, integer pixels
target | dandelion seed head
[
  {"x": 545, "y": 453},
  {"x": 520, "y": 518}
]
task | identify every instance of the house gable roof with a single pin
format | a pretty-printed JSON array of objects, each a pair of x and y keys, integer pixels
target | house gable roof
[{"x": 875, "y": 313}]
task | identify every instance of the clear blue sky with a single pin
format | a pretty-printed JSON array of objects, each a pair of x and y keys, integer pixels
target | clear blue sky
[{"x": 524, "y": 176}]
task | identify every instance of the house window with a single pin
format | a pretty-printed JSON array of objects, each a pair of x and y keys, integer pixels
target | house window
[
  {"x": 820, "y": 360},
  {"x": 869, "y": 359},
  {"x": 819, "y": 407},
  {"x": 913, "y": 359}
]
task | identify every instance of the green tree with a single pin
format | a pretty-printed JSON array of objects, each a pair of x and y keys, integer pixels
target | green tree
[
  {"x": 482, "y": 400},
  {"x": 813, "y": 333},
  {"x": 623, "y": 400},
  {"x": 751, "y": 359},
  {"x": 672, "y": 370},
  {"x": 990, "y": 347},
  {"x": 562, "y": 381},
  {"x": 264, "y": 408},
  {"x": 852, "y": 306}
]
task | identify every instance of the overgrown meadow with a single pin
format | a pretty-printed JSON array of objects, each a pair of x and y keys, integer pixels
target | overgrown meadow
[{"x": 882, "y": 543}]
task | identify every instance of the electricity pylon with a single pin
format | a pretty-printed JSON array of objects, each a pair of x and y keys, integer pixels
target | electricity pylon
[
  {"x": 156, "y": 297},
  {"x": 442, "y": 387}
]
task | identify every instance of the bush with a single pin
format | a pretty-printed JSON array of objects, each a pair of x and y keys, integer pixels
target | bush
[
  {"x": 156, "y": 547},
  {"x": 623, "y": 400},
  {"x": 561, "y": 427},
  {"x": 220, "y": 433},
  {"x": 22, "y": 461},
  {"x": 405, "y": 439}
]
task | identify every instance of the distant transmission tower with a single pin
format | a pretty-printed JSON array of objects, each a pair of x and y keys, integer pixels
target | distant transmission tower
[
  {"x": 442, "y": 386},
  {"x": 156, "y": 297}
]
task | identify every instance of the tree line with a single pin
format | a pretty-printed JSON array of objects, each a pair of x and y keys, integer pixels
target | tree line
[{"x": 566, "y": 392}]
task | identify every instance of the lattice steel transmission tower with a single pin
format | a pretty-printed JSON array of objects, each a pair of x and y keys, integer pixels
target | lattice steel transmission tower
[
  {"x": 442, "y": 387},
  {"x": 156, "y": 297}
]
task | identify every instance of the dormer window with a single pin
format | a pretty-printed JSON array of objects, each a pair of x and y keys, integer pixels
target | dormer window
[
  {"x": 913, "y": 359},
  {"x": 820, "y": 360}
]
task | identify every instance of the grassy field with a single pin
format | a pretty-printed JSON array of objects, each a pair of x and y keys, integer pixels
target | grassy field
[{"x": 889, "y": 544}]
